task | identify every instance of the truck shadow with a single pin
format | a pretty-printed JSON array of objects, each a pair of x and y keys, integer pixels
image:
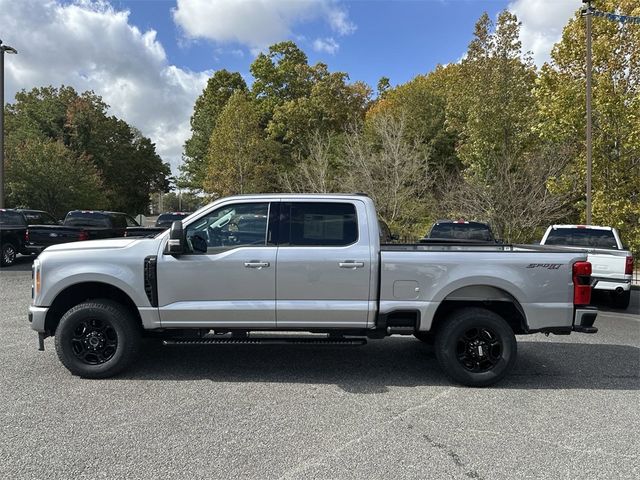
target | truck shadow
[{"x": 382, "y": 364}]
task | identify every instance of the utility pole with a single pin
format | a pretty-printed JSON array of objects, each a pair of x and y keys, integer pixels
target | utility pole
[
  {"x": 3, "y": 49},
  {"x": 588, "y": 17}
]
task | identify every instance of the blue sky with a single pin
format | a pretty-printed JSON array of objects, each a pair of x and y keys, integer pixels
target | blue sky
[
  {"x": 150, "y": 59},
  {"x": 399, "y": 38}
]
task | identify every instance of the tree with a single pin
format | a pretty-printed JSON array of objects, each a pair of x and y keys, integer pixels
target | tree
[
  {"x": 46, "y": 175},
  {"x": 616, "y": 125},
  {"x": 330, "y": 106},
  {"x": 127, "y": 162},
  {"x": 238, "y": 158},
  {"x": 206, "y": 111},
  {"x": 381, "y": 162},
  {"x": 519, "y": 203}
]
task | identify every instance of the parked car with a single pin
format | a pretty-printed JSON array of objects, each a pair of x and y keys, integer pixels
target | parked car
[
  {"x": 460, "y": 230},
  {"x": 14, "y": 238},
  {"x": 311, "y": 263},
  {"x": 163, "y": 222},
  {"x": 612, "y": 263},
  {"x": 80, "y": 225}
]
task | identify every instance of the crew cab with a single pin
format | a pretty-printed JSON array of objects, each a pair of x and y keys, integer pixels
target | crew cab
[
  {"x": 282, "y": 268},
  {"x": 80, "y": 225},
  {"x": 611, "y": 262}
]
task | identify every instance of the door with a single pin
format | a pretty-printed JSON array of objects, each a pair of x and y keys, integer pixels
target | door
[
  {"x": 227, "y": 277},
  {"x": 324, "y": 265}
]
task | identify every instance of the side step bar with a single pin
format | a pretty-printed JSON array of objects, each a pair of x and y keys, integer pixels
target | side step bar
[{"x": 266, "y": 341}]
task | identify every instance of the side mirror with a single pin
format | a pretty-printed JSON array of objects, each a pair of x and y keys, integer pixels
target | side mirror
[{"x": 175, "y": 245}]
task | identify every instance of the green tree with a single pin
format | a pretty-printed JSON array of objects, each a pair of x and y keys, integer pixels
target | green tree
[
  {"x": 616, "y": 124},
  {"x": 126, "y": 161},
  {"x": 205, "y": 115},
  {"x": 44, "y": 174},
  {"x": 238, "y": 155}
]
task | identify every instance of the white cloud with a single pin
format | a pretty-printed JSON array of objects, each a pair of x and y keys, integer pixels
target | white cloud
[
  {"x": 328, "y": 45},
  {"x": 92, "y": 46},
  {"x": 542, "y": 24},
  {"x": 255, "y": 23}
]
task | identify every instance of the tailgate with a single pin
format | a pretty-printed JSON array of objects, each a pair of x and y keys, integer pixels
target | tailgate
[
  {"x": 45, "y": 236},
  {"x": 607, "y": 266}
]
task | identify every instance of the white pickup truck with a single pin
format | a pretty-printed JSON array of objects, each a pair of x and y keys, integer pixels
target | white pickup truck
[
  {"x": 305, "y": 269},
  {"x": 611, "y": 262}
]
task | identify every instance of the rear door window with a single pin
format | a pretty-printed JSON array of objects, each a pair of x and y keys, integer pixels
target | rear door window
[
  {"x": 582, "y": 237},
  {"x": 318, "y": 224}
]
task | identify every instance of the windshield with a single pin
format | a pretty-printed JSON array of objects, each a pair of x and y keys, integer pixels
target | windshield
[{"x": 582, "y": 237}]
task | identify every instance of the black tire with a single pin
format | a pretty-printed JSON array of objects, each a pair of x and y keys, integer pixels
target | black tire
[
  {"x": 621, "y": 300},
  {"x": 475, "y": 347},
  {"x": 97, "y": 339},
  {"x": 426, "y": 337},
  {"x": 8, "y": 254}
]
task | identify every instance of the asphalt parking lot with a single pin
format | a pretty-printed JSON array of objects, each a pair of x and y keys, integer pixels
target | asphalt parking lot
[{"x": 569, "y": 410}]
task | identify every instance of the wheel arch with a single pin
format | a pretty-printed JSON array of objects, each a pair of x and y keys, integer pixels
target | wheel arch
[
  {"x": 77, "y": 293},
  {"x": 489, "y": 297}
]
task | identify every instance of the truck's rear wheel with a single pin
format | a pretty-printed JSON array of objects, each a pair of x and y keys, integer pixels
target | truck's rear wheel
[
  {"x": 97, "y": 339},
  {"x": 475, "y": 347}
]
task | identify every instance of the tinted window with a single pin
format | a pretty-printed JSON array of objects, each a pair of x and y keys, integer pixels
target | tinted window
[
  {"x": 131, "y": 222},
  {"x": 119, "y": 221},
  {"x": 462, "y": 231},
  {"x": 39, "y": 218},
  {"x": 166, "y": 219},
  {"x": 319, "y": 224},
  {"x": 582, "y": 237},
  {"x": 10, "y": 218},
  {"x": 87, "y": 219},
  {"x": 231, "y": 226}
]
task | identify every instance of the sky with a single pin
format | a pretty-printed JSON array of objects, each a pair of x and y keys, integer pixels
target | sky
[{"x": 150, "y": 59}]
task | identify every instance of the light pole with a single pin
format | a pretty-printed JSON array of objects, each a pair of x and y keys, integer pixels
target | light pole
[
  {"x": 588, "y": 17},
  {"x": 3, "y": 49}
]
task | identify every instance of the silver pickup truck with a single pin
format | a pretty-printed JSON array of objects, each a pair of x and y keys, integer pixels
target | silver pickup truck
[{"x": 303, "y": 269}]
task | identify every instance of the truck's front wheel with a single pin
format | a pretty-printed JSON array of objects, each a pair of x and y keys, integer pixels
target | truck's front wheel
[
  {"x": 97, "y": 339},
  {"x": 475, "y": 347}
]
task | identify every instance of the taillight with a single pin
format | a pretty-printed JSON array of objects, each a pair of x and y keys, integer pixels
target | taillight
[
  {"x": 83, "y": 235},
  {"x": 581, "y": 283},
  {"x": 26, "y": 236},
  {"x": 628, "y": 266}
]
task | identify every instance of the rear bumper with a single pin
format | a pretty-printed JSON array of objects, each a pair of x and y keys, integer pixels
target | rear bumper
[
  {"x": 611, "y": 284},
  {"x": 37, "y": 317},
  {"x": 33, "y": 249},
  {"x": 584, "y": 318}
]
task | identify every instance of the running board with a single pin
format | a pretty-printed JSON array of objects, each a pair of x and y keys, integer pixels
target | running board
[{"x": 266, "y": 341}]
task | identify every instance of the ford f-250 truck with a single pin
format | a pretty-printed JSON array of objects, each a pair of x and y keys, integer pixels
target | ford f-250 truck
[{"x": 247, "y": 265}]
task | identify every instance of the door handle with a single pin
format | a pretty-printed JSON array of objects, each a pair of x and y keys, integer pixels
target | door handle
[
  {"x": 256, "y": 264},
  {"x": 351, "y": 264}
]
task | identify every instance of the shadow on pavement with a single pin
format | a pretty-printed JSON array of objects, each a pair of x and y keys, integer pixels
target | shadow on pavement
[{"x": 382, "y": 364}]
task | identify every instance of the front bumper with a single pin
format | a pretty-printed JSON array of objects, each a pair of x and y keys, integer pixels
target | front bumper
[
  {"x": 37, "y": 317},
  {"x": 584, "y": 318}
]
